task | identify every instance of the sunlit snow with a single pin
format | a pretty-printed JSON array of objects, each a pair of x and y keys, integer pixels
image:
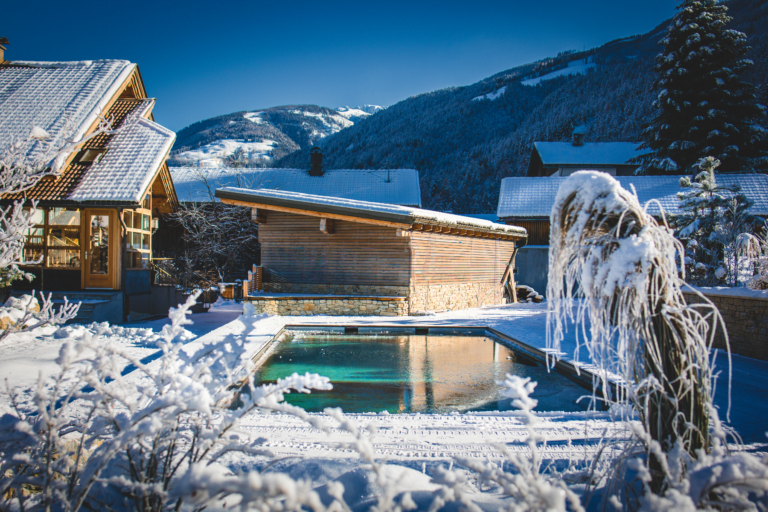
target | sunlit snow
[{"x": 214, "y": 154}]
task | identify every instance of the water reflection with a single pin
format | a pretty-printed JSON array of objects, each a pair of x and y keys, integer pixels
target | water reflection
[{"x": 413, "y": 373}]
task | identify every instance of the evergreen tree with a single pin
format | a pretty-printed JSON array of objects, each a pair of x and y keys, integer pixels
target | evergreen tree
[
  {"x": 704, "y": 108},
  {"x": 712, "y": 218}
]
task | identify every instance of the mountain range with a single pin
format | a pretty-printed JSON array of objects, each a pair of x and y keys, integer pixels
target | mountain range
[
  {"x": 264, "y": 135},
  {"x": 464, "y": 140}
]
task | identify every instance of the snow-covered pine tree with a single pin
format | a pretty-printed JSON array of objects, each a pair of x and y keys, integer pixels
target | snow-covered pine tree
[
  {"x": 703, "y": 107},
  {"x": 712, "y": 217}
]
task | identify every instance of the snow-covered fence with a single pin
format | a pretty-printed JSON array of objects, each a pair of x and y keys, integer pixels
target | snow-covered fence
[{"x": 745, "y": 313}]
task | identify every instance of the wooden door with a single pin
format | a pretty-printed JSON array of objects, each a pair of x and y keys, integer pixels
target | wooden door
[{"x": 100, "y": 249}]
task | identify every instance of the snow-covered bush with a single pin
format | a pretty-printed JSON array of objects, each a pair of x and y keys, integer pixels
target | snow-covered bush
[{"x": 640, "y": 332}]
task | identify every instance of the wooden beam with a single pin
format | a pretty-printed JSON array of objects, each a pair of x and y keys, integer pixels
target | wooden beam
[
  {"x": 418, "y": 227},
  {"x": 446, "y": 229},
  {"x": 310, "y": 213},
  {"x": 327, "y": 226},
  {"x": 258, "y": 216},
  {"x": 403, "y": 232}
]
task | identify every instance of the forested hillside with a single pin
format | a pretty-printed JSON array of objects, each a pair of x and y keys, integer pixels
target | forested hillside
[{"x": 464, "y": 140}]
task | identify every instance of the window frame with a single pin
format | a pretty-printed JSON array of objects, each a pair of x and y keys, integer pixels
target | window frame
[
  {"x": 46, "y": 228},
  {"x": 144, "y": 234}
]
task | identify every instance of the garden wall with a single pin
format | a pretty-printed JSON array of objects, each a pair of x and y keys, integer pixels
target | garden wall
[
  {"x": 333, "y": 306},
  {"x": 746, "y": 318}
]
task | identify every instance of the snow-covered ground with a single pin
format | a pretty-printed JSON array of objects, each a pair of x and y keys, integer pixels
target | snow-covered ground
[
  {"x": 414, "y": 443},
  {"x": 23, "y": 357},
  {"x": 356, "y": 114},
  {"x": 491, "y": 95},
  {"x": 576, "y": 67},
  {"x": 215, "y": 153}
]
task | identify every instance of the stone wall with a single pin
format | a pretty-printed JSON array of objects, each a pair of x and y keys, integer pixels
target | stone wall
[
  {"x": 746, "y": 319},
  {"x": 353, "y": 306},
  {"x": 439, "y": 297},
  {"x": 336, "y": 289}
]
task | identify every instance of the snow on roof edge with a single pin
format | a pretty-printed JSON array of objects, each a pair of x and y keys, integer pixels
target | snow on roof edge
[
  {"x": 100, "y": 107},
  {"x": 161, "y": 155},
  {"x": 405, "y": 214}
]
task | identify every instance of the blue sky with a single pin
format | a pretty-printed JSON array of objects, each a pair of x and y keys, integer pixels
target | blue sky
[{"x": 202, "y": 59}]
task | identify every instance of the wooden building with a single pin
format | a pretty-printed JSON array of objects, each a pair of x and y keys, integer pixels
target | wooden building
[
  {"x": 96, "y": 216},
  {"x": 358, "y": 257}
]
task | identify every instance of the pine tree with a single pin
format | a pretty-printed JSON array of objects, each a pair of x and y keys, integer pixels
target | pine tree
[
  {"x": 712, "y": 218},
  {"x": 704, "y": 108}
]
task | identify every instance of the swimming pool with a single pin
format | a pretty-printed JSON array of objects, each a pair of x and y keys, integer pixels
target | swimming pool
[{"x": 407, "y": 373}]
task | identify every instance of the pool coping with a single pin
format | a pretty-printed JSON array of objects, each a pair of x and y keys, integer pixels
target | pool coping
[{"x": 581, "y": 375}]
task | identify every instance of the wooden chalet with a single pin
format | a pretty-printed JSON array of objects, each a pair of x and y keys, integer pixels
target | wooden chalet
[
  {"x": 327, "y": 255},
  {"x": 96, "y": 217}
]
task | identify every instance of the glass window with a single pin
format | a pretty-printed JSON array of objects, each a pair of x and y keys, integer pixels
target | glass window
[
  {"x": 147, "y": 204},
  {"x": 64, "y": 217},
  {"x": 34, "y": 244},
  {"x": 138, "y": 237},
  {"x": 99, "y": 240}
]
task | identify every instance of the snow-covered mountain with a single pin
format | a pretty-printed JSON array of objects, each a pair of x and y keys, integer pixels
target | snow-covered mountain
[{"x": 263, "y": 135}]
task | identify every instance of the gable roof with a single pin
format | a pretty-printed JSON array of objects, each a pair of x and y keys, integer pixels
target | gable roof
[
  {"x": 590, "y": 153},
  {"x": 532, "y": 198},
  {"x": 56, "y": 96},
  {"x": 65, "y": 96},
  {"x": 392, "y": 186},
  {"x": 361, "y": 209},
  {"x": 127, "y": 168}
]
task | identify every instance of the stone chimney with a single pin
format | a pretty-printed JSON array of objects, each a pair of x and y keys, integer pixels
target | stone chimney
[
  {"x": 3, "y": 42},
  {"x": 316, "y": 159},
  {"x": 578, "y": 135}
]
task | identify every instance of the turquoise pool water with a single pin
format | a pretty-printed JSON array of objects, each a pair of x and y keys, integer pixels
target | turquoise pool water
[{"x": 410, "y": 373}]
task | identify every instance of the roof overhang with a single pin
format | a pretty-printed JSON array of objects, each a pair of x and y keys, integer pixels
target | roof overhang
[{"x": 407, "y": 220}]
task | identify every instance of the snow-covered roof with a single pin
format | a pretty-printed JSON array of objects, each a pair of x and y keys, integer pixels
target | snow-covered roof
[
  {"x": 531, "y": 198},
  {"x": 125, "y": 171},
  {"x": 590, "y": 153},
  {"x": 52, "y": 95},
  {"x": 390, "y": 186},
  {"x": 362, "y": 209}
]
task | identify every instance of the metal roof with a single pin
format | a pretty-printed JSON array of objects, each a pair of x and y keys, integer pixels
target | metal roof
[
  {"x": 391, "y": 186},
  {"x": 532, "y": 198}
]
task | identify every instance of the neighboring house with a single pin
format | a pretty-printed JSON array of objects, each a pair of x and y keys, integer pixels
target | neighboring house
[
  {"x": 358, "y": 257},
  {"x": 391, "y": 186},
  {"x": 565, "y": 158},
  {"x": 528, "y": 202},
  {"x": 96, "y": 218}
]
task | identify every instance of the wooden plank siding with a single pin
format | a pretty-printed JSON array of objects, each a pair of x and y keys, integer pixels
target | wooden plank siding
[
  {"x": 451, "y": 259},
  {"x": 538, "y": 230},
  {"x": 294, "y": 250}
]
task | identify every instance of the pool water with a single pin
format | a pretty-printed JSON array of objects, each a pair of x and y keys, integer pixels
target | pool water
[{"x": 410, "y": 373}]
